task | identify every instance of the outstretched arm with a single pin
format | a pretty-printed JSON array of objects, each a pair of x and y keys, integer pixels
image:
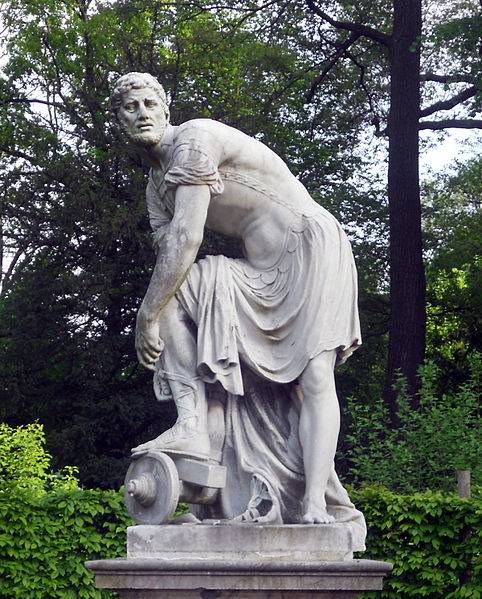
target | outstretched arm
[{"x": 177, "y": 252}]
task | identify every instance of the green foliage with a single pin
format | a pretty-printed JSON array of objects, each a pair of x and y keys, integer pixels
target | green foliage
[
  {"x": 432, "y": 540},
  {"x": 437, "y": 437},
  {"x": 454, "y": 39},
  {"x": 74, "y": 225},
  {"x": 22, "y": 456},
  {"x": 45, "y": 540},
  {"x": 443, "y": 433},
  {"x": 453, "y": 324},
  {"x": 72, "y": 213},
  {"x": 49, "y": 526},
  {"x": 24, "y": 463},
  {"x": 453, "y": 227},
  {"x": 47, "y": 535}
]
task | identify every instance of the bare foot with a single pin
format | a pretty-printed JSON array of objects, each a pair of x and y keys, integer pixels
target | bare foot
[
  {"x": 317, "y": 514},
  {"x": 178, "y": 438}
]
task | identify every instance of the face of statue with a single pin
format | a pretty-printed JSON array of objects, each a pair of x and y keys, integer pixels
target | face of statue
[{"x": 143, "y": 116}]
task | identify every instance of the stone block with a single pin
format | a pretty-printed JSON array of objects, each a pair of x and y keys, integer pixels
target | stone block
[
  {"x": 218, "y": 541},
  {"x": 160, "y": 578},
  {"x": 200, "y": 473}
]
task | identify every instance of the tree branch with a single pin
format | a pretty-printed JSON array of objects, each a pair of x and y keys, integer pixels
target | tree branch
[
  {"x": 341, "y": 50},
  {"x": 253, "y": 11},
  {"x": 358, "y": 28},
  {"x": 7, "y": 276},
  {"x": 451, "y": 124},
  {"x": 376, "y": 119},
  {"x": 31, "y": 101},
  {"x": 280, "y": 91},
  {"x": 446, "y": 78},
  {"x": 448, "y": 104}
]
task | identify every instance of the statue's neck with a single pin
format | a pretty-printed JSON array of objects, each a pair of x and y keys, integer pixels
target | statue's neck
[
  {"x": 157, "y": 152},
  {"x": 155, "y": 155}
]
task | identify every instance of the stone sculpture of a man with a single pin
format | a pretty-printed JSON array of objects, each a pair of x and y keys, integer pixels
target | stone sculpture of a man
[{"x": 287, "y": 312}]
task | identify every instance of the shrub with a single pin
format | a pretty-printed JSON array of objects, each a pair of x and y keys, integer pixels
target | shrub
[
  {"x": 50, "y": 530},
  {"x": 46, "y": 539},
  {"x": 49, "y": 526},
  {"x": 25, "y": 464},
  {"x": 434, "y": 542},
  {"x": 435, "y": 440}
]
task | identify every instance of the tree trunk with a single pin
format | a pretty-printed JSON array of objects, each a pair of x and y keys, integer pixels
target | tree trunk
[
  {"x": 407, "y": 278},
  {"x": 1, "y": 252}
]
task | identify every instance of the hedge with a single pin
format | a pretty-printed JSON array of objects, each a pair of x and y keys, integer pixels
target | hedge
[
  {"x": 45, "y": 540},
  {"x": 433, "y": 540}
]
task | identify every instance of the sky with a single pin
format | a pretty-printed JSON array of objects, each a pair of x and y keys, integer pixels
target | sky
[{"x": 446, "y": 148}]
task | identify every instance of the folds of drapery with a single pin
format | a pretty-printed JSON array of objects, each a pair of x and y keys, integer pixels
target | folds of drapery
[
  {"x": 276, "y": 319},
  {"x": 263, "y": 457}
]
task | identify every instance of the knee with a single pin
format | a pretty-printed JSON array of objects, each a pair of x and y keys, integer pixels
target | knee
[{"x": 318, "y": 378}]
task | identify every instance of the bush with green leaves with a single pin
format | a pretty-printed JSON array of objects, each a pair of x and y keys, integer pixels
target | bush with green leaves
[
  {"x": 50, "y": 529},
  {"x": 25, "y": 464},
  {"x": 434, "y": 542},
  {"x": 437, "y": 437},
  {"x": 49, "y": 526},
  {"x": 46, "y": 539}
]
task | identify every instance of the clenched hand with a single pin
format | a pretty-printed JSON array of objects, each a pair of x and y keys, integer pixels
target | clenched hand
[{"x": 149, "y": 345}]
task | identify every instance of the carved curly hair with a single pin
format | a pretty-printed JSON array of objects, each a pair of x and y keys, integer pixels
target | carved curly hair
[{"x": 135, "y": 81}]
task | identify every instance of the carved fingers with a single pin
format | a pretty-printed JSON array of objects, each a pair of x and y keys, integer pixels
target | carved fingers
[{"x": 149, "y": 345}]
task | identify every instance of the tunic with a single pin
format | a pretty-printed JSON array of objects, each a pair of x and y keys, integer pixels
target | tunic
[{"x": 275, "y": 317}]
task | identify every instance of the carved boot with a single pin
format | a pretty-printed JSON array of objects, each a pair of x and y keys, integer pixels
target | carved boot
[{"x": 190, "y": 433}]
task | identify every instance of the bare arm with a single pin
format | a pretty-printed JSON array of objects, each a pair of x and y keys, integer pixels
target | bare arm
[
  {"x": 158, "y": 216},
  {"x": 177, "y": 252}
]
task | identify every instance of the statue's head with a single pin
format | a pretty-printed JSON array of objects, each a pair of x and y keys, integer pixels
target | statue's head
[{"x": 139, "y": 104}]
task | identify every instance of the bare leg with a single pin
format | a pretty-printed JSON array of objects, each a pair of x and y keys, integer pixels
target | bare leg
[
  {"x": 179, "y": 363},
  {"x": 216, "y": 426},
  {"x": 318, "y": 430}
]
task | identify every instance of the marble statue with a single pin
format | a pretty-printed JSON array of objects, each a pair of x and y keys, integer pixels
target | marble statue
[{"x": 246, "y": 348}]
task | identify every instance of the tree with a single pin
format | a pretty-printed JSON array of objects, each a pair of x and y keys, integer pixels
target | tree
[
  {"x": 74, "y": 220},
  {"x": 453, "y": 248},
  {"x": 400, "y": 39}
]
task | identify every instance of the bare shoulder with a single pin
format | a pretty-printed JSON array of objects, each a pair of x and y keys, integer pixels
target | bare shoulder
[
  {"x": 233, "y": 150},
  {"x": 208, "y": 129}
]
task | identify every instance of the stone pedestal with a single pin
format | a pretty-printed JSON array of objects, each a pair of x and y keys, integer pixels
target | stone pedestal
[{"x": 243, "y": 561}]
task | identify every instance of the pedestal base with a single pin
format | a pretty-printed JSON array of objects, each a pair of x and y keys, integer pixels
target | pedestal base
[
  {"x": 228, "y": 541},
  {"x": 155, "y": 578},
  {"x": 239, "y": 561}
]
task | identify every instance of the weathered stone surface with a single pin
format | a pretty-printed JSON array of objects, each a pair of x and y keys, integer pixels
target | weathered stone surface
[
  {"x": 208, "y": 594},
  {"x": 156, "y": 578},
  {"x": 237, "y": 343},
  {"x": 246, "y": 349},
  {"x": 200, "y": 473},
  {"x": 151, "y": 489},
  {"x": 242, "y": 542}
]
